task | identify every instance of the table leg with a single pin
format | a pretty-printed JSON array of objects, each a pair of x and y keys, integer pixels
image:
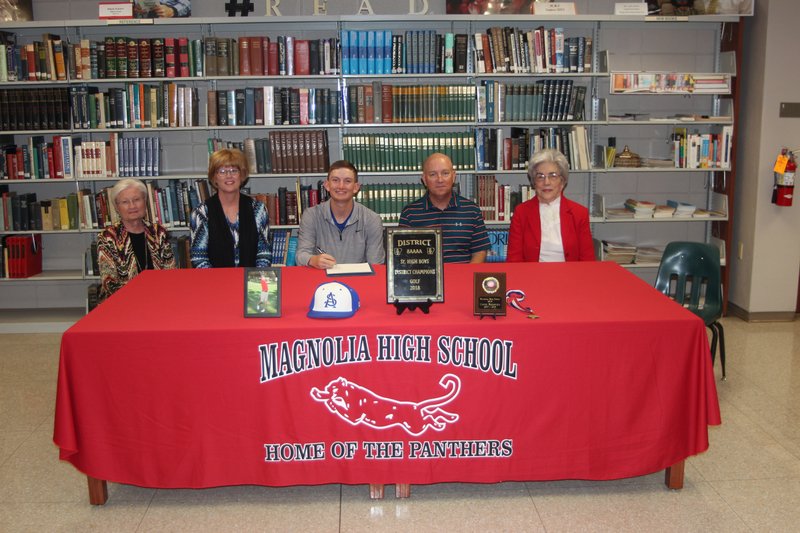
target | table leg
[
  {"x": 98, "y": 491},
  {"x": 402, "y": 490},
  {"x": 376, "y": 491},
  {"x": 673, "y": 475}
]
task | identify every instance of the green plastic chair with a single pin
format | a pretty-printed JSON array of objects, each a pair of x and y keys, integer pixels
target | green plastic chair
[{"x": 689, "y": 273}]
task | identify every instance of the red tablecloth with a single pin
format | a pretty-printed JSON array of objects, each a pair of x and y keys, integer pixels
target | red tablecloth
[{"x": 167, "y": 385}]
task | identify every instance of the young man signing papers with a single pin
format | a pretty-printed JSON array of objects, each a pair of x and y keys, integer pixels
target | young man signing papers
[{"x": 340, "y": 230}]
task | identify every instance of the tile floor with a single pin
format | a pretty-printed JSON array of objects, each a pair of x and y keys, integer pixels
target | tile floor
[{"x": 749, "y": 480}]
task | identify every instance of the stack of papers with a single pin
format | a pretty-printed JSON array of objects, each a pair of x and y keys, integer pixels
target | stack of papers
[
  {"x": 663, "y": 211},
  {"x": 640, "y": 208},
  {"x": 648, "y": 255},
  {"x": 350, "y": 269},
  {"x": 615, "y": 213},
  {"x": 682, "y": 209},
  {"x": 619, "y": 252}
]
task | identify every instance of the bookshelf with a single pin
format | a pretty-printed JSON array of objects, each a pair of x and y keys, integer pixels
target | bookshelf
[{"x": 448, "y": 115}]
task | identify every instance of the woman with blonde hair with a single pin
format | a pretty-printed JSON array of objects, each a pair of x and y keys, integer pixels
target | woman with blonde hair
[{"x": 230, "y": 229}]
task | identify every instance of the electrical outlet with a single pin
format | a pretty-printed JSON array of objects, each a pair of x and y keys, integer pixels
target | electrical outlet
[{"x": 740, "y": 253}]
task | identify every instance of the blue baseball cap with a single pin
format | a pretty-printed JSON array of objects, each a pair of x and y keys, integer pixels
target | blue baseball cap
[{"x": 333, "y": 300}]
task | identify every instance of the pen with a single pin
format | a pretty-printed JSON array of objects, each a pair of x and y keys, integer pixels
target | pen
[{"x": 320, "y": 250}]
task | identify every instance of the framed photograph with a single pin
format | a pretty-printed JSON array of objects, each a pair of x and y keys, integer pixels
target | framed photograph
[
  {"x": 262, "y": 292},
  {"x": 13, "y": 10},
  {"x": 487, "y": 7},
  {"x": 153, "y": 9}
]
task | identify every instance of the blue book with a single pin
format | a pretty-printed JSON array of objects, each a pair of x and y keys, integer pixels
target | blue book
[
  {"x": 387, "y": 51},
  {"x": 379, "y": 51},
  {"x": 371, "y": 49},
  {"x": 291, "y": 251},
  {"x": 354, "y": 52},
  {"x": 345, "y": 52},
  {"x": 362, "y": 52},
  {"x": 489, "y": 100}
]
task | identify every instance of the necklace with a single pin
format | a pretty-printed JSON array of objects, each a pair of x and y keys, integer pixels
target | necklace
[
  {"x": 146, "y": 259},
  {"x": 139, "y": 242}
]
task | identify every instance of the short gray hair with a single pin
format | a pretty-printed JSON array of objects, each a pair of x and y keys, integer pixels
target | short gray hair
[
  {"x": 549, "y": 155},
  {"x": 126, "y": 183}
]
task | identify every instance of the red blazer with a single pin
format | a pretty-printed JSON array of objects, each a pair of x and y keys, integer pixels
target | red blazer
[{"x": 525, "y": 235}]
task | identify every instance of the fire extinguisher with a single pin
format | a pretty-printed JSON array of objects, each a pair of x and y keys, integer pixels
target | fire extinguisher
[
  {"x": 783, "y": 189},
  {"x": 785, "y": 185}
]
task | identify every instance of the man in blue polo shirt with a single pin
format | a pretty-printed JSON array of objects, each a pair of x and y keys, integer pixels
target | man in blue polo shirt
[{"x": 463, "y": 232}]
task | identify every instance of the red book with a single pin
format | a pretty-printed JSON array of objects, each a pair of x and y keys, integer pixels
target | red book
[
  {"x": 259, "y": 106},
  {"x": 303, "y": 107},
  {"x": 487, "y": 53},
  {"x": 169, "y": 57},
  {"x": 10, "y": 161},
  {"x": 265, "y": 46},
  {"x": 302, "y": 58},
  {"x": 386, "y": 106},
  {"x": 256, "y": 57},
  {"x": 20, "y": 165},
  {"x": 507, "y": 154},
  {"x": 30, "y": 54},
  {"x": 272, "y": 61},
  {"x": 51, "y": 167},
  {"x": 6, "y": 208},
  {"x": 183, "y": 58},
  {"x": 244, "y": 56},
  {"x": 58, "y": 158}
]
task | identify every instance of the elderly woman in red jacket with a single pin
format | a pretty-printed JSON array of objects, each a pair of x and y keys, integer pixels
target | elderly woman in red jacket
[{"x": 549, "y": 227}]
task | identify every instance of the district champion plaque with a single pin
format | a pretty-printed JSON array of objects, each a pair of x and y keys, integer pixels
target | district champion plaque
[{"x": 414, "y": 271}]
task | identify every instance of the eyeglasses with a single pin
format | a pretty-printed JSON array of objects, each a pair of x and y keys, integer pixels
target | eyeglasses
[
  {"x": 229, "y": 171},
  {"x": 552, "y": 176},
  {"x": 131, "y": 202}
]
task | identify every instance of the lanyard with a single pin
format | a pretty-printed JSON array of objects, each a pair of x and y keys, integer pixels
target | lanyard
[{"x": 514, "y": 298}]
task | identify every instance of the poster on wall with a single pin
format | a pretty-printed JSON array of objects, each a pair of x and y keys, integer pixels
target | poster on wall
[
  {"x": 153, "y": 9},
  {"x": 11, "y": 10}
]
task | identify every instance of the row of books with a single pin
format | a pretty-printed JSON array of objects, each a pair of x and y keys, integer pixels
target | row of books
[
  {"x": 38, "y": 159},
  {"x": 496, "y": 201},
  {"x": 137, "y": 105},
  {"x": 24, "y": 212},
  {"x": 288, "y": 152},
  {"x": 35, "y": 61},
  {"x": 405, "y": 152},
  {"x": 283, "y": 55},
  {"x": 20, "y": 256},
  {"x": 113, "y": 57},
  {"x": 284, "y": 246},
  {"x": 73, "y": 157},
  {"x": 388, "y": 199},
  {"x": 540, "y": 50},
  {"x": 702, "y": 150},
  {"x": 498, "y": 245},
  {"x": 39, "y": 108},
  {"x": 545, "y": 100},
  {"x": 499, "y": 49},
  {"x": 378, "y": 102},
  {"x": 670, "y": 82},
  {"x": 497, "y": 150},
  {"x": 407, "y": 52},
  {"x": 258, "y": 106},
  {"x": 121, "y": 57}
]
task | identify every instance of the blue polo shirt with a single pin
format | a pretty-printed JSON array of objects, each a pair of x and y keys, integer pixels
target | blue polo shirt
[{"x": 463, "y": 230}]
